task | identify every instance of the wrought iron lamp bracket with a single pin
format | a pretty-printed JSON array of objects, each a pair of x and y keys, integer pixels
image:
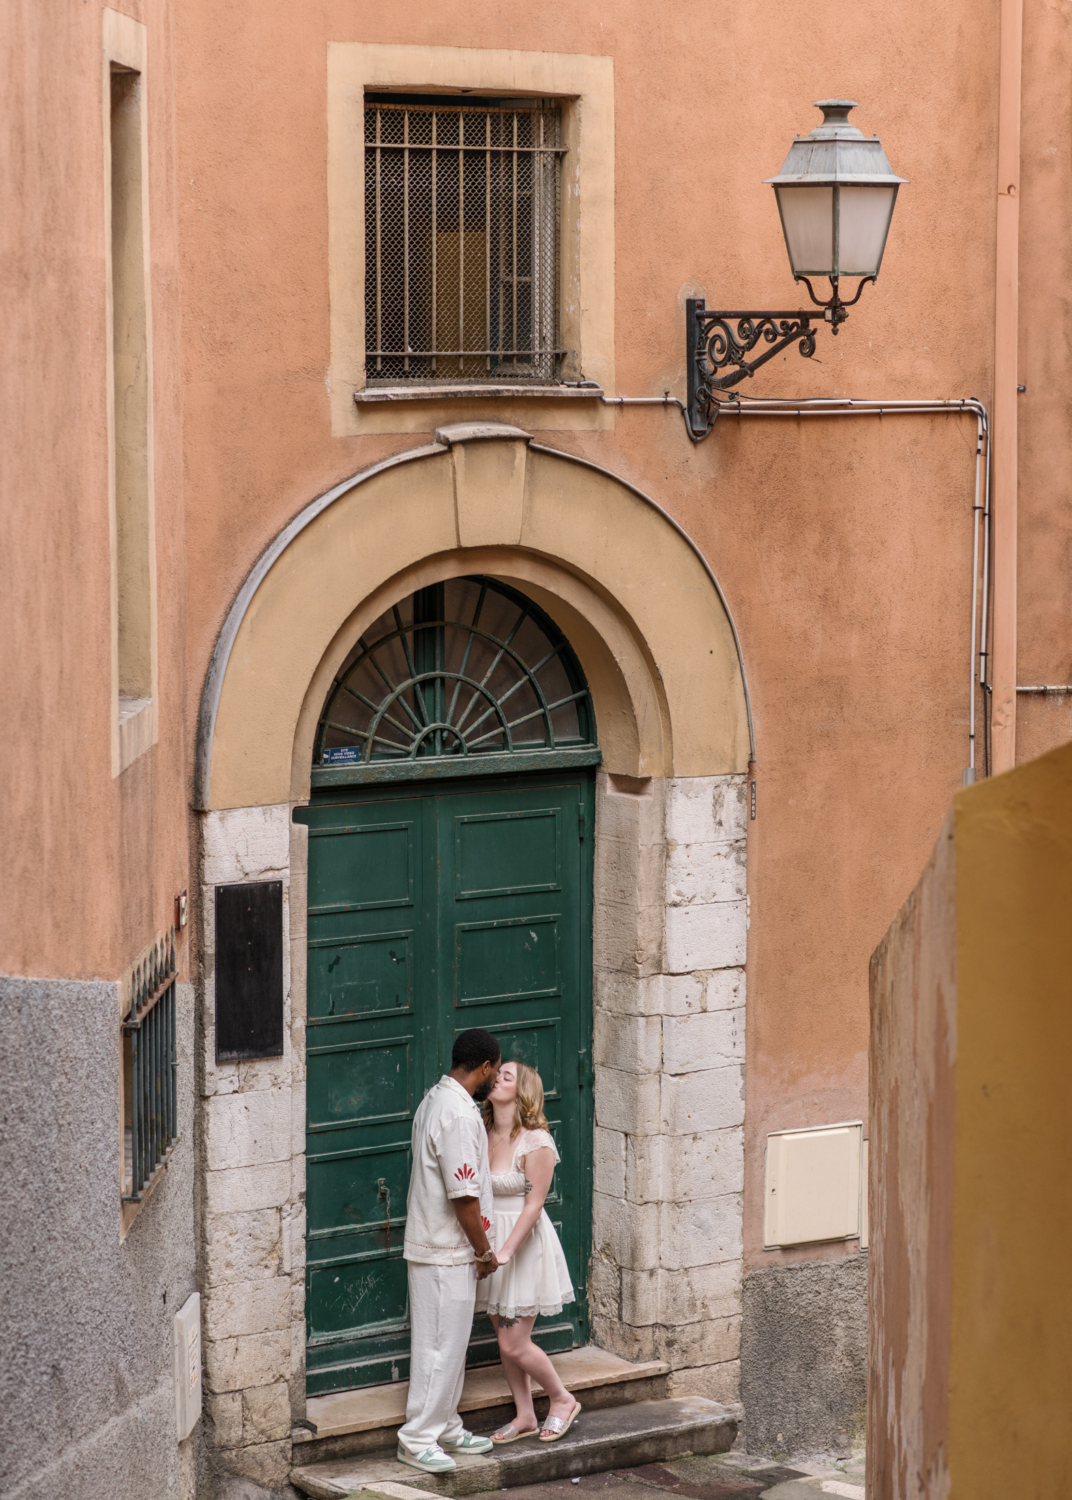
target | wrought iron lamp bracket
[{"x": 717, "y": 340}]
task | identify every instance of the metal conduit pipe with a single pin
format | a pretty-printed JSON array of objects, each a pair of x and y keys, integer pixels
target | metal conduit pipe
[
  {"x": 850, "y": 406},
  {"x": 1006, "y": 356}
]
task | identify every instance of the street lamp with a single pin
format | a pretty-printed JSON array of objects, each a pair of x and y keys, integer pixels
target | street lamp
[{"x": 835, "y": 195}]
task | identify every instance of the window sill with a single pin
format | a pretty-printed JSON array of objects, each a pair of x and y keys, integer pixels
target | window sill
[
  {"x": 388, "y": 394},
  {"x": 129, "y": 708},
  {"x": 137, "y": 730},
  {"x": 130, "y": 1208}
]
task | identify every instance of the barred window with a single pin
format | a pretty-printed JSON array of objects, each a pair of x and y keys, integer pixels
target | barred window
[
  {"x": 149, "y": 1067},
  {"x": 461, "y": 240}
]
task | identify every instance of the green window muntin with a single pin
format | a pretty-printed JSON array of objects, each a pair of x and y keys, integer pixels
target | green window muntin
[{"x": 463, "y": 677}]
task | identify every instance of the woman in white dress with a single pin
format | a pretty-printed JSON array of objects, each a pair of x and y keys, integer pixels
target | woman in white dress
[{"x": 532, "y": 1277}]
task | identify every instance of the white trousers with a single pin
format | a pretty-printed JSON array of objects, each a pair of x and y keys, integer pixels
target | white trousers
[{"x": 441, "y": 1302}]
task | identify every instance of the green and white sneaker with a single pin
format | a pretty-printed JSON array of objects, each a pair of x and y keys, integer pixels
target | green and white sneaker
[
  {"x": 468, "y": 1443},
  {"x": 432, "y": 1461}
]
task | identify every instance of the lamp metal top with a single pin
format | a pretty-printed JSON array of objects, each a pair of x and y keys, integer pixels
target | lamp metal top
[{"x": 836, "y": 152}]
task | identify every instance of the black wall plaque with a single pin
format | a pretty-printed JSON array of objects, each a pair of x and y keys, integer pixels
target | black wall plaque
[{"x": 249, "y": 971}]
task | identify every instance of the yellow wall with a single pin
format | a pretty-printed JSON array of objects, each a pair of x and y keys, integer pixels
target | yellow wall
[
  {"x": 970, "y": 1122},
  {"x": 1011, "y": 1368}
]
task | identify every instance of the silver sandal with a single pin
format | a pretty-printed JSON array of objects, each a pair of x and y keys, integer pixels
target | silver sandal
[
  {"x": 511, "y": 1434},
  {"x": 555, "y": 1427}
]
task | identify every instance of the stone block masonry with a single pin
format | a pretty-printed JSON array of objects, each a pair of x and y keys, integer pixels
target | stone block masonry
[
  {"x": 670, "y": 945},
  {"x": 670, "y": 935},
  {"x": 252, "y": 1219}
]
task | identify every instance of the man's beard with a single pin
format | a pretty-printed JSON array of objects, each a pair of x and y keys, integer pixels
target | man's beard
[{"x": 481, "y": 1093}]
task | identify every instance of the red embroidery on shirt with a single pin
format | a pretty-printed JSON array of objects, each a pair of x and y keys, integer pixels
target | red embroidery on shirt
[
  {"x": 465, "y": 1173},
  {"x": 486, "y": 1223}
]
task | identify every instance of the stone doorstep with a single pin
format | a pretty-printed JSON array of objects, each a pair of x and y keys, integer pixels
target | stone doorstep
[
  {"x": 616, "y": 1437},
  {"x": 806, "y": 1489},
  {"x": 610, "y": 1380}
]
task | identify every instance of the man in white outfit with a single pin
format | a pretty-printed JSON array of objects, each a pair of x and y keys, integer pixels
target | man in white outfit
[{"x": 448, "y": 1219}]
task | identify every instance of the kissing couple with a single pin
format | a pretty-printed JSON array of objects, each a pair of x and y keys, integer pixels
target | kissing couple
[{"x": 478, "y": 1237}]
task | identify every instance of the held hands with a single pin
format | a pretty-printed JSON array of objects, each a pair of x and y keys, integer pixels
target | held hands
[{"x": 500, "y": 1258}]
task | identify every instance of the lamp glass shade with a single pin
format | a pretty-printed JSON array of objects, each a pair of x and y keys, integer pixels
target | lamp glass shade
[
  {"x": 836, "y": 230},
  {"x": 864, "y": 215},
  {"x": 808, "y": 225}
]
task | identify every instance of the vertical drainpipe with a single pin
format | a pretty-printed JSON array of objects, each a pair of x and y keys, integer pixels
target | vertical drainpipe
[{"x": 1006, "y": 340}]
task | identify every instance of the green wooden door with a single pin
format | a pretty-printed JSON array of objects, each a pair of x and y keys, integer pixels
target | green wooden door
[{"x": 433, "y": 909}]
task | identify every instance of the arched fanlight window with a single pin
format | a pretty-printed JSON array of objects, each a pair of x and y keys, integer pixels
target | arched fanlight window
[{"x": 464, "y": 677}]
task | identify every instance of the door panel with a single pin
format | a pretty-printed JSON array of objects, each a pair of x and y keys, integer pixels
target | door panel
[
  {"x": 361, "y": 976},
  {"x": 505, "y": 853},
  {"x": 506, "y": 959},
  {"x": 432, "y": 910},
  {"x": 339, "y": 1293},
  {"x": 377, "y": 864},
  {"x": 514, "y": 912},
  {"x": 359, "y": 1083},
  {"x": 366, "y": 1058}
]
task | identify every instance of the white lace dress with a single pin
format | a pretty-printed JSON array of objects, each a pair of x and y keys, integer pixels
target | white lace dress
[{"x": 536, "y": 1278}]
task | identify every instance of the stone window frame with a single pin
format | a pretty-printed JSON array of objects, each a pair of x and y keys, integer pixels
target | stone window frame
[{"x": 584, "y": 86}]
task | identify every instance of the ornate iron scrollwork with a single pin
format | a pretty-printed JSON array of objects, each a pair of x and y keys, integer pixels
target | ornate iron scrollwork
[
  {"x": 718, "y": 341},
  {"x": 722, "y": 341},
  {"x": 724, "y": 347}
]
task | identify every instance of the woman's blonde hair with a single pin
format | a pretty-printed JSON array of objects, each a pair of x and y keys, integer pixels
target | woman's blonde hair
[{"x": 528, "y": 1102}]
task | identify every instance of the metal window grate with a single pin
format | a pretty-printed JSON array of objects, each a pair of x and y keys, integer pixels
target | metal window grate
[
  {"x": 461, "y": 242},
  {"x": 149, "y": 1068},
  {"x": 460, "y": 670}
]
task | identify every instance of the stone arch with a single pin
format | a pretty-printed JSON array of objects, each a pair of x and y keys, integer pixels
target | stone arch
[
  {"x": 622, "y": 580},
  {"x": 646, "y": 618}
]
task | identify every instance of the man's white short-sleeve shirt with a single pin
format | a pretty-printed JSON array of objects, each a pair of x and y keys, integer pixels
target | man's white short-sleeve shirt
[{"x": 450, "y": 1160}]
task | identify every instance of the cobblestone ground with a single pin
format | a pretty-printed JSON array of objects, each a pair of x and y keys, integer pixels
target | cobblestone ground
[{"x": 729, "y": 1476}]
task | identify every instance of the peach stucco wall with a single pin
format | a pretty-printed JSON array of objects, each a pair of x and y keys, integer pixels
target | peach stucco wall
[
  {"x": 912, "y": 1156},
  {"x": 1045, "y": 491},
  {"x": 91, "y": 864},
  {"x": 843, "y": 547}
]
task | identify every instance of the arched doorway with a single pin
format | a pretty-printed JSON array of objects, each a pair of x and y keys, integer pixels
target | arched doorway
[
  {"x": 646, "y": 621},
  {"x": 450, "y": 885}
]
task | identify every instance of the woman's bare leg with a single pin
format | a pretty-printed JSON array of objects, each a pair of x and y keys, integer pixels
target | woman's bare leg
[
  {"x": 519, "y": 1383},
  {"x": 515, "y": 1345}
]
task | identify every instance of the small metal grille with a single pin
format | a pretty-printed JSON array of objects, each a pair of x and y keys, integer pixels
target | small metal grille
[
  {"x": 461, "y": 242},
  {"x": 149, "y": 1068}
]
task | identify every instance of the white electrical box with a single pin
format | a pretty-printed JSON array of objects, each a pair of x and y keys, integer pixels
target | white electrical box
[
  {"x": 188, "y": 1365},
  {"x": 812, "y": 1185}
]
